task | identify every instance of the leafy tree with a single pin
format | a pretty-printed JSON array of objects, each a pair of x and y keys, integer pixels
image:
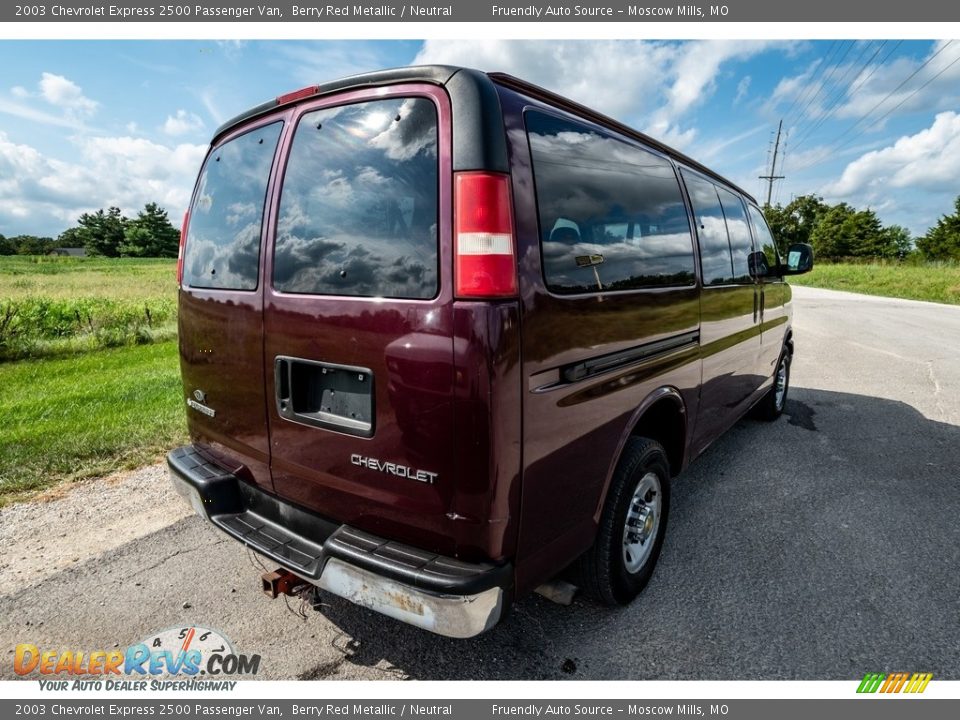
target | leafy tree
[
  {"x": 150, "y": 234},
  {"x": 866, "y": 236},
  {"x": 899, "y": 239},
  {"x": 942, "y": 241},
  {"x": 102, "y": 232},
  {"x": 6, "y": 247},
  {"x": 71, "y": 238},
  {"x": 31, "y": 244},
  {"x": 795, "y": 222},
  {"x": 830, "y": 237}
]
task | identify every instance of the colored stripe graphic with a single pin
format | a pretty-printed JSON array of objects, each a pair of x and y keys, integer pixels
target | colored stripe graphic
[
  {"x": 894, "y": 683},
  {"x": 870, "y": 683}
]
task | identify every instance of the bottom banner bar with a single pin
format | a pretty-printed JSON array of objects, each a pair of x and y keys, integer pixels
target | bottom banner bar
[{"x": 874, "y": 707}]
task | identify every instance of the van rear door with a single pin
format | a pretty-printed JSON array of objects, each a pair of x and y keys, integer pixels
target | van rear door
[
  {"x": 358, "y": 314},
  {"x": 221, "y": 299}
]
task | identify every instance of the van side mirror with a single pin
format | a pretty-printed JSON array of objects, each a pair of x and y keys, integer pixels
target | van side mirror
[{"x": 799, "y": 259}]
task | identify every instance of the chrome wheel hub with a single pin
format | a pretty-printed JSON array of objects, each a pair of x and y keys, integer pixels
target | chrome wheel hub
[
  {"x": 643, "y": 521},
  {"x": 780, "y": 383}
]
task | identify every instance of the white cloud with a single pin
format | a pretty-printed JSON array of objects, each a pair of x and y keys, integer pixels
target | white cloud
[
  {"x": 66, "y": 94},
  {"x": 929, "y": 160},
  {"x": 72, "y": 107},
  {"x": 649, "y": 84},
  {"x": 743, "y": 87},
  {"x": 40, "y": 194},
  {"x": 182, "y": 123},
  {"x": 854, "y": 90},
  {"x": 942, "y": 92}
]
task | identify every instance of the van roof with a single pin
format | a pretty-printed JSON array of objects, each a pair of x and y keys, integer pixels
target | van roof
[{"x": 470, "y": 80}]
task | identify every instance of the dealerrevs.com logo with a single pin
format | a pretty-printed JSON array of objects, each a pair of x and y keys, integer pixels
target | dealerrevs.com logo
[
  {"x": 185, "y": 658},
  {"x": 889, "y": 683}
]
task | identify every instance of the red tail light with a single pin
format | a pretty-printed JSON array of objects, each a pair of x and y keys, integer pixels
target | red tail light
[
  {"x": 183, "y": 242},
  {"x": 484, "y": 255}
]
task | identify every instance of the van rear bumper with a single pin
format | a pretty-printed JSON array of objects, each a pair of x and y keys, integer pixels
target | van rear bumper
[{"x": 440, "y": 594}]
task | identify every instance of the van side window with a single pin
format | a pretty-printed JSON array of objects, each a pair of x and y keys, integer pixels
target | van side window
[
  {"x": 739, "y": 233},
  {"x": 765, "y": 243},
  {"x": 715, "y": 256},
  {"x": 611, "y": 214},
  {"x": 223, "y": 237},
  {"x": 358, "y": 210}
]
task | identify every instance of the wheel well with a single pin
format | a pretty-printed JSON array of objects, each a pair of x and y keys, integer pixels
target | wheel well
[
  {"x": 789, "y": 342},
  {"x": 664, "y": 422}
]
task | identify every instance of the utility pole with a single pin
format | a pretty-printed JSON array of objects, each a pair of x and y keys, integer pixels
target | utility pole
[{"x": 773, "y": 166}]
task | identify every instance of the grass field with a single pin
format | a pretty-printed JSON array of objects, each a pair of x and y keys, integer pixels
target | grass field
[
  {"x": 54, "y": 306},
  {"x": 936, "y": 282},
  {"x": 87, "y": 415}
]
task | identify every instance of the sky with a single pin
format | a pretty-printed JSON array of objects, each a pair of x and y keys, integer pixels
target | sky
[{"x": 92, "y": 124}]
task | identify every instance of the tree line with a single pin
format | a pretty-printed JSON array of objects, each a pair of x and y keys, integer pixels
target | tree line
[
  {"x": 842, "y": 231},
  {"x": 107, "y": 233},
  {"x": 835, "y": 231}
]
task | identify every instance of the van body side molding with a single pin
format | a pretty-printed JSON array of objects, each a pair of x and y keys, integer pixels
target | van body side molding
[{"x": 584, "y": 369}]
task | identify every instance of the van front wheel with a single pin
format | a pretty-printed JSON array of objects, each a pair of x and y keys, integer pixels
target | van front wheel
[
  {"x": 772, "y": 404},
  {"x": 632, "y": 526}
]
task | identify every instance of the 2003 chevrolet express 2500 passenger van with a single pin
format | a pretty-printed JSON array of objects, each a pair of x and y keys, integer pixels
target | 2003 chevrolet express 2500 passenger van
[{"x": 444, "y": 333}]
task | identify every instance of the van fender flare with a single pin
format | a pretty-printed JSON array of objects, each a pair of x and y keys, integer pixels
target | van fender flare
[{"x": 665, "y": 392}]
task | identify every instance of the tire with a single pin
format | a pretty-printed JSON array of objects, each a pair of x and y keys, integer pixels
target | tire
[
  {"x": 614, "y": 571},
  {"x": 772, "y": 404}
]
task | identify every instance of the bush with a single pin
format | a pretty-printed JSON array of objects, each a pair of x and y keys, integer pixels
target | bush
[{"x": 38, "y": 326}]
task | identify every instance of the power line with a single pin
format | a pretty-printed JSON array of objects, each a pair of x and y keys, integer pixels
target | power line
[
  {"x": 831, "y": 148},
  {"x": 910, "y": 77},
  {"x": 875, "y": 67},
  {"x": 825, "y": 81},
  {"x": 797, "y": 99},
  {"x": 834, "y": 100},
  {"x": 901, "y": 103}
]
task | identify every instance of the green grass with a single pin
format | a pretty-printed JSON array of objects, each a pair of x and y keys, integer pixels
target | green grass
[
  {"x": 87, "y": 415},
  {"x": 65, "y": 278},
  {"x": 54, "y": 306},
  {"x": 936, "y": 282}
]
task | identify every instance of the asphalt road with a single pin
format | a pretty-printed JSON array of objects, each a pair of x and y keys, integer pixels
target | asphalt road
[{"x": 822, "y": 546}]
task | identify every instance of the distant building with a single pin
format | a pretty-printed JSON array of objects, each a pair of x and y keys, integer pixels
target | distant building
[{"x": 69, "y": 252}]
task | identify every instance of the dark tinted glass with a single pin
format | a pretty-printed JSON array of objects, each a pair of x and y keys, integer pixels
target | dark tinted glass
[
  {"x": 711, "y": 230},
  {"x": 223, "y": 240},
  {"x": 358, "y": 211},
  {"x": 611, "y": 215},
  {"x": 739, "y": 233},
  {"x": 768, "y": 263}
]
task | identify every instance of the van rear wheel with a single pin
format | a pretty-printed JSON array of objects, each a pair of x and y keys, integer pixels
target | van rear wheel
[{"x": 632, "y": 526}]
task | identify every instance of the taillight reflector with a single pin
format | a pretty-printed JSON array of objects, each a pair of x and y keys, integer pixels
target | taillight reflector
[
  {"x": 297, "y": 94},
  {"x": 485, "y": 259},
  {"x": 183, "y": 242}
]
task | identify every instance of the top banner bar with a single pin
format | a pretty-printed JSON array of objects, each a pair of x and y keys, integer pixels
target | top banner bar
[{"x": 615, "y": 11}]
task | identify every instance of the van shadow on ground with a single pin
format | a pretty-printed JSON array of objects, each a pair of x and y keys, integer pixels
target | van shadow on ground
[{"x": 822, "y": 546}]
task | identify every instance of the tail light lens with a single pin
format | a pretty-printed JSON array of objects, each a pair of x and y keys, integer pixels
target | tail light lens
[
  {"x": 183, "y": 242},
  {"x": 484, "y": 256}
]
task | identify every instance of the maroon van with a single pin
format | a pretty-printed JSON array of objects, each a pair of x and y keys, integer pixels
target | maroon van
[{"x": 444, "y": 333}]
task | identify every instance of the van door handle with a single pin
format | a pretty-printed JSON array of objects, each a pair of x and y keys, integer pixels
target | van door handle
[{"x": 283, "y": 384}]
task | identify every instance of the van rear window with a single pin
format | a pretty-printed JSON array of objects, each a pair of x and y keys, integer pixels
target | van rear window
[
  {"x": 223, "y": 238},
  {"x": 358, "y": 209},
  {"x": 612, "y": 216}
]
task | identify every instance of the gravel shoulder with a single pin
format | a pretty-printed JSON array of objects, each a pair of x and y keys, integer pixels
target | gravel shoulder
[{"x": 72, "y": 523}]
